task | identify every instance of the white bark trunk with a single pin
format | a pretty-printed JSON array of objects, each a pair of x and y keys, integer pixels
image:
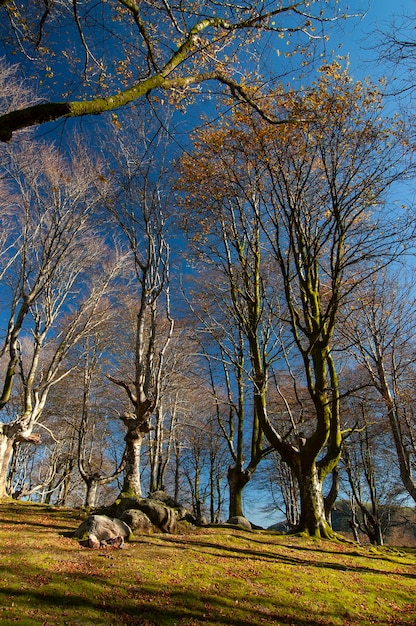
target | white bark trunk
[
  {"x": 132, "y": 481},
  {"x": 91, "y": 494},
  {"x": 6, "y": 450}
]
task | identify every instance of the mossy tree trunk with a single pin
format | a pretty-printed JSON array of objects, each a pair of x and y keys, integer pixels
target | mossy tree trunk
[
  {"x": 311, "y": 458},
  {"x": 313, "y": 520},
  {"x": 237, "y": 479},
  {"x": 320, "y": 453}
]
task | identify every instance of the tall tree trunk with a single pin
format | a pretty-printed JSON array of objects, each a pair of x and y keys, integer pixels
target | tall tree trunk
[
  {"x": 64, "y": 489},
  {"x": 197, "y": 503},
  {"x": 132, "y": 482},
  {"x": 155, "y": 444},
  {"x": 212, "y": 483},
  {"x": 353, "y": 522},
  {"x": 379, "y": 539},
  {"x": 177, "y": 472},
  {"x": 331, "y": 497},
  {"x": 6, "y": 452},
  {"x": 312, "y": 514},
  {"x": 90, "y": 493},
  {"x": 237, "y": 480},
  {"x": 211, "y": 494}
]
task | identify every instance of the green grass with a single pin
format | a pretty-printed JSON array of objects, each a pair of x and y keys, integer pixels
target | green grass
[{"x": 209, "y": 576}]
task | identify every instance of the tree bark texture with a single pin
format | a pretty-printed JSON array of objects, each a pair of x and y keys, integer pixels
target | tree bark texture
[
  {"x": 132, "y": 481},
  {"x": 6, "y": 451},
  {"x": 312, "y": 516},
  {"x": 90, "y": 493},
  {"x": 237, "y": 480},
  {"x": 9, "y": 433}
]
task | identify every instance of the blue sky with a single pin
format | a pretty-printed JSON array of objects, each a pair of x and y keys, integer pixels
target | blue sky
[{"x": 360, "y": 40}]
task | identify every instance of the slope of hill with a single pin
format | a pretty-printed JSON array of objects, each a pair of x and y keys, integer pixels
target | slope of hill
[{"x": 206, "y": 576}]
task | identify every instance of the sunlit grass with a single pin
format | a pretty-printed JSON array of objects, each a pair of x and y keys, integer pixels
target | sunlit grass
[{"x": 209, "y": 576}]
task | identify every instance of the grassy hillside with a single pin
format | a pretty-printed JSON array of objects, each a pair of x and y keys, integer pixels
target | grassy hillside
[{"x": 209, "y": 576}]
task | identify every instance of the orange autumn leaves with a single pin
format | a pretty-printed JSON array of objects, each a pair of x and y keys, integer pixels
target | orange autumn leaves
[{"x": 324, "y": 140}]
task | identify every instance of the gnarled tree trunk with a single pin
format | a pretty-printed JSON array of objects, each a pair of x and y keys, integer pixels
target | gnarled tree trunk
[
  {"x": 237, "y": 480},
  {"x": 9, "y": 434},
  {"x": 313, "y": 520},
  {"x": 90, "y": 493}
]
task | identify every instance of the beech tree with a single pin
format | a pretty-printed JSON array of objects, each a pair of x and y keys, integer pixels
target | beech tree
[
  {"x": 321, "y": 194},
  {"x": 92, "y": 432},
  {"x": 58, "y": 275},
  {"x": 110, "y": 54},
  {"x": 324, "y": 198},
  {"x": 234, "y": 302},
  {"x": 379, "y": 329},
  {"x": 138, "y": 208}
]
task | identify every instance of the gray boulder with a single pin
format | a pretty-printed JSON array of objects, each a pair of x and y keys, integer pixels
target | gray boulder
[
  {"x": 161, "y": 516},
  {"x": 164, "y": 498},
  {"x": 240, "y": 521},
  {"x": 137, "y": 520},
  {"x": 99, "y": 531}
]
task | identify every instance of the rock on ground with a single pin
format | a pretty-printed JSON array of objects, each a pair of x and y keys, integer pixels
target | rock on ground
[
  {"x": 137, "y": 520},
  {"x": 240, "y": 521},
  {"x": 161, "y": 516},
  {"x": 98, "y": 531}
]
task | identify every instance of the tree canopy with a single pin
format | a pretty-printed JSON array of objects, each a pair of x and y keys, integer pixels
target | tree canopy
[{"x": 87, "y": 59}]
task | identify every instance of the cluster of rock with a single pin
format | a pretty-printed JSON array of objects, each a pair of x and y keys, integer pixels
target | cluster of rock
[{"x": 158, "y": 512}]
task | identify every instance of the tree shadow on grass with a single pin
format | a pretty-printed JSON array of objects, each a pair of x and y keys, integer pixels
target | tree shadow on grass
[
  {"x": 46, "y": 526},
  {"x": 179, "y": 607},
  {"x": 44, "y": 517},
  {"x": 244, "y": 553}
]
